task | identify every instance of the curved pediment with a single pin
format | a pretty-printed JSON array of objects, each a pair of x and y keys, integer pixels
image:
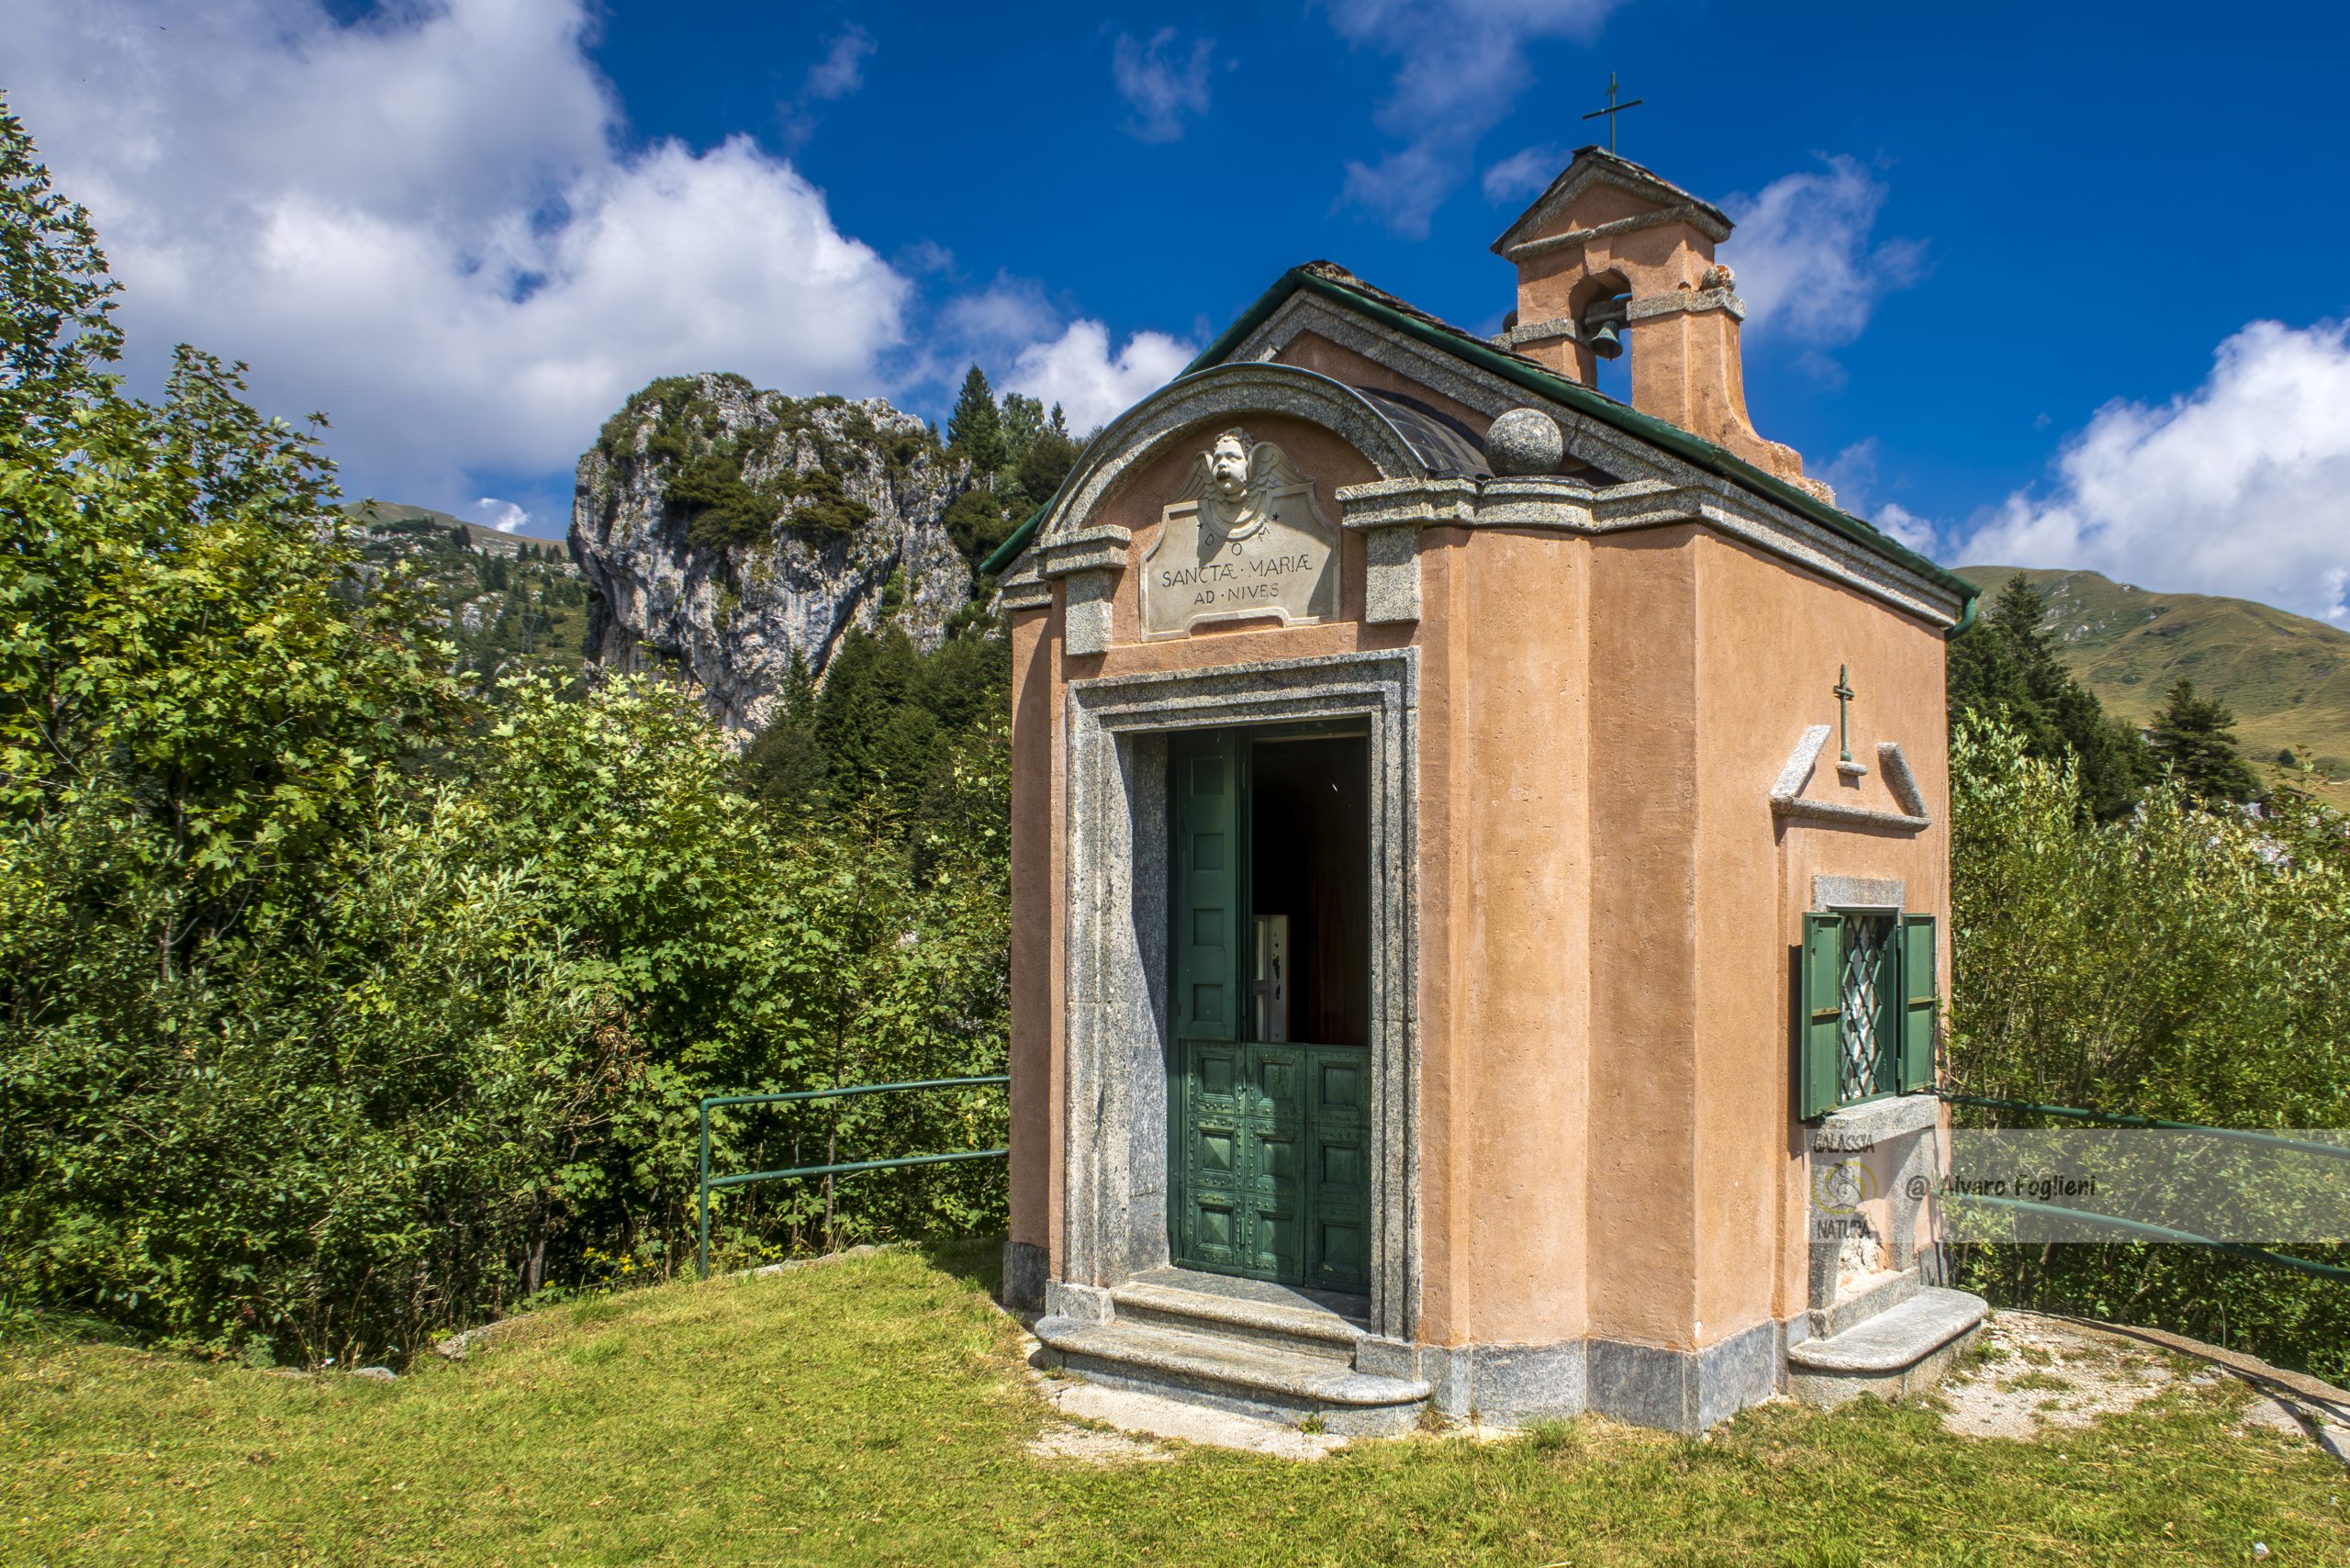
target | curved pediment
[{"x": 1230, "y": 394}]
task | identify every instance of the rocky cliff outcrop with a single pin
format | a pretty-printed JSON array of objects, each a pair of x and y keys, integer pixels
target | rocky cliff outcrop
[{"x": 724, "y": 529}]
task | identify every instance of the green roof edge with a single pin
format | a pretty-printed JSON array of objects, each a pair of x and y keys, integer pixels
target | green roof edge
[{"x": 1599, "y": 406}]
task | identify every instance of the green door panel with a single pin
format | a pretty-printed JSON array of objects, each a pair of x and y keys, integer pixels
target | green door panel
[
  {"x": 1274, "y": 1175},
  {"x": 1203, "y": 912},
  {"x": 1276, "y": 1189},
  {"x": 1214, "y": 1172},
  {"x": 1339, "y": 1169}
]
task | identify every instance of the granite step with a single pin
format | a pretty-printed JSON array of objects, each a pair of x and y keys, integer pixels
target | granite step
[
  {"x": 1247, "y": 1376},
  {"x": 1904, "y": 1350},
  {"x": 1296, "y": 1323}
]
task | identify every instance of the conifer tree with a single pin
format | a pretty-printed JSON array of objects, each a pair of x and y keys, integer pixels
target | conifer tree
[
  {"x": 2195, "y": 738},
  {"x": 786, "y": 766},
  {"x": 1045, "y": 464},
  {"x": 2008, "y": 664},
  {"x": 1024, "y": 420},
  {"x": 975, "y": 429}
]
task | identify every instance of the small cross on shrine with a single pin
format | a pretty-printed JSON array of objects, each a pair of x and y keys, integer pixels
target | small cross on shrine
[
  {"x": 1611, "y": 111},
  {"x": 1843, "y": 695}
]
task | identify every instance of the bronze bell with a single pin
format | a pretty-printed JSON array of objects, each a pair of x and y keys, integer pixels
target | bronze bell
[{"x": 1603, "y": 342}]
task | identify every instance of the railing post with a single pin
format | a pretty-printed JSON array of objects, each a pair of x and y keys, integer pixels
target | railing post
[{"x": 701, "y": 1252}]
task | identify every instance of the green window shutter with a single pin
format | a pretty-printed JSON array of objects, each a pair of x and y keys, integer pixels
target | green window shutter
[
  {"x": 1917, "y": 1004},
  {"x": 1203, "y": 791},
  {"x": 1819, "y": 1008}
]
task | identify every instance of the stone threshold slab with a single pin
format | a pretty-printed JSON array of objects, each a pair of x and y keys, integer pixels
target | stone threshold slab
[
  {"x": 1240, "y": 1365},
  {"x": 1300, "y": 1324}
]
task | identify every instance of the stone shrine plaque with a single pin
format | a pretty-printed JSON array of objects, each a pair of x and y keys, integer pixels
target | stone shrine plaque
[{"x": 1245, "y": 539}]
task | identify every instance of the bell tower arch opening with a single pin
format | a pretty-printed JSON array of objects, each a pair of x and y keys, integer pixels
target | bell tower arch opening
[
  {"x": 1616, "y": 265},
  {"x": 1600, "y": 308}
]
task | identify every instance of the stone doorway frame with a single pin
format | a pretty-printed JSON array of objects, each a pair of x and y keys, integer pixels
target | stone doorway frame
[{"x": 1113, "y": 1165}]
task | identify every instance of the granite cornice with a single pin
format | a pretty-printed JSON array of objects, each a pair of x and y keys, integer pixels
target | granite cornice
[
  {"x": 1686, "y": 301},
  {"x": 1102, "y": 547},
  {"x": 1407, "y": 503},
  {"x": 1568, "y": 504},
  {"x": 1021, "y": 588},
  {"x": 1542, "y": 332},
  {"x": 1033, "y": 593}
]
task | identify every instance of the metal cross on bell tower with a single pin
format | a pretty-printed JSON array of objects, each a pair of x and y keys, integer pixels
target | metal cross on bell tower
[{"x": 1611, "y": 111}]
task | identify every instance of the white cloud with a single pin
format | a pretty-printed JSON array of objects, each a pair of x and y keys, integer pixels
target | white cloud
[
  {"x": 1463, "y": 66},
  {"x": 421, "y": 223},
  {"x": 2240, "y": 486},
  {"x": 1852, "y": 473},
  {"x": 1162, "y": 84},
  {"x": 1523, "y": 174},
  {"x": 841, "y": 71},
  {"x": 1804, "y": 261},
  {"x": 1920, "y": 534},
  {"x": 1000, "y": 320},
  {"x": 503, "y": 516},
  {"x": 1077, "y": 371}
]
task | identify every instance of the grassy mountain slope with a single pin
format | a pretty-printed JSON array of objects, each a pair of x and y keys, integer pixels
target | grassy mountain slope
[
  {"x": 2287, "y": 678},
  {"x": 504, "y": 614},
  {"x": 378, "y": 514}
]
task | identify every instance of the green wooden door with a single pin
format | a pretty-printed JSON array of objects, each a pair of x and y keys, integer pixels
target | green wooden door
[{"x": 1269, "y": 1166}]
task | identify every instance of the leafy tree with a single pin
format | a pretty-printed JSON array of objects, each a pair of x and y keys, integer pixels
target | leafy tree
[
  {"x": 975, "y": 428},
  {"x": 2195, "y": 738},
  {"x": 2008, "y": 664},
  {"x": 175, "y": 626},
  {"x": 2175, "y": 964},
  {"x": 334, "y": 1020},
  {"x": 57, "y": 300}
]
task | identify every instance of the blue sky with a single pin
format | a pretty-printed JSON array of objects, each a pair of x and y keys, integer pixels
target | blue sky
[{"x": 2061, "y": 284}]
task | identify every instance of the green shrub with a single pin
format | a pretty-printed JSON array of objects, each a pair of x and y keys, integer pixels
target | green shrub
[{"x": 2186, "y": 964}]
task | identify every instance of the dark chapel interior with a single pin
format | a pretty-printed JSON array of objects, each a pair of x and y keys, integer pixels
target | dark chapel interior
[{"x": 1310, "y": 859}]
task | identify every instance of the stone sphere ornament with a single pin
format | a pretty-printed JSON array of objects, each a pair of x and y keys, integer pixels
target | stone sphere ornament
[{"x": 1525, "y": 441}]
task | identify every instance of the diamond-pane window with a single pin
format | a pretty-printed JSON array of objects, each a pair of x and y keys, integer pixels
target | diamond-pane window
[{"x": 1860, "y": 1036}]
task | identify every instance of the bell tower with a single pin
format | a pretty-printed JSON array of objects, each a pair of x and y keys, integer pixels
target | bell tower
[{"x": 1611, "y": 259}]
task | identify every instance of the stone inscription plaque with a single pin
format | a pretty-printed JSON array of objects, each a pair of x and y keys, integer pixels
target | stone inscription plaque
[{"x": 1244, "y": 540}]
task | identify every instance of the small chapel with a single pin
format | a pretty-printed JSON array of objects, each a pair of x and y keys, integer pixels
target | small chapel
[{"x": 1480, "y": 867}]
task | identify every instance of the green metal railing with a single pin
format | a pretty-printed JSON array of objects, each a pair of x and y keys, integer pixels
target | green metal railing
[
  {"x": 715, "y": 1102},
  {"x": 2244, "y": 1250},
  {"x": 2239, "y": 1134}
]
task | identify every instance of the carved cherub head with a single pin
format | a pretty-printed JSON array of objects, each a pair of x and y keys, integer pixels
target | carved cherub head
[{"x": 1228, "y": 464}]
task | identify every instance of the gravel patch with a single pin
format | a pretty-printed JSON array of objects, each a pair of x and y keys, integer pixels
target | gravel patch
[
  {"x": 2037, "y": 1373},
  {"x": 1090, "y": 1446}
]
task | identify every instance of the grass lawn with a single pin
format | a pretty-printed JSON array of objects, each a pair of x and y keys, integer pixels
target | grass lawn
[{"x": 876, "y": 1411}]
